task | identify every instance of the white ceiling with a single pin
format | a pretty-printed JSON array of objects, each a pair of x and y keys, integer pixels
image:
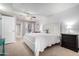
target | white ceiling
[
  {"x": 44, "y": 9},
  {"x": 52, "y": 12},
  {"x": 56, "y": 11},
  {"x": 70, "y": 15}
]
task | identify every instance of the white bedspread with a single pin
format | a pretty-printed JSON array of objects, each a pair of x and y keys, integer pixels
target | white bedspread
[{"x": 39, "y": 41}]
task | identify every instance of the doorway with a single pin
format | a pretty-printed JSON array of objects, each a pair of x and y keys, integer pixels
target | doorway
[{"x": 18, "y": 31}]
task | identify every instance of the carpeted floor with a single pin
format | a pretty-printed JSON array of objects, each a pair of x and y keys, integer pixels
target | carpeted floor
[
  {"x": 20, "y": 49},
  {"x": 58, "y": 51}
]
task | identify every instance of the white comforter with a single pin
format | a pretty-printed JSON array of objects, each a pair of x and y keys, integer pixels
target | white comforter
[{"x": 39, "y": 41}]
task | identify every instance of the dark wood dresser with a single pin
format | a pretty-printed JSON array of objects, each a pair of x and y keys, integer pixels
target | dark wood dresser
[{"x": 70, "y": 41}]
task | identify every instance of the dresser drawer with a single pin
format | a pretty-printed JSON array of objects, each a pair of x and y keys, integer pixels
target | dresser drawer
[{"x": 69, "y": 41}]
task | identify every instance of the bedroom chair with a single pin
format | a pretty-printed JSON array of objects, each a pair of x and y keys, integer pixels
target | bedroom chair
[{"x": 2, "y": 46}]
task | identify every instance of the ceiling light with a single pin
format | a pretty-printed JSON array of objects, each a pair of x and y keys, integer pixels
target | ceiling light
[{"x": 2, "y": 7}]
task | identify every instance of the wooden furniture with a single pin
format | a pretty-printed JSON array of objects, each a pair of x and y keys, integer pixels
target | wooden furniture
[{"x": 69, "y": 41}]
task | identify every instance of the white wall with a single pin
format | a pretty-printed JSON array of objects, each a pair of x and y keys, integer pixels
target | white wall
[
  {"x": 73, "y": 30},
  {"x": 0, "y": 27},
  {"x": 53, "y": 28},
  {"x": 70, "y": 15},
  {"x": 46, "y": 23}
]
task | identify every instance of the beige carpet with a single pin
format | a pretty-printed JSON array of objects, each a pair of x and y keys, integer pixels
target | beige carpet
[
  {"x": 58, "y": 51},
  {"x": 20, "y": 49}
]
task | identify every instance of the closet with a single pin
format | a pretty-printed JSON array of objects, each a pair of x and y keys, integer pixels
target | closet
[{"x": 7, "y": 28}]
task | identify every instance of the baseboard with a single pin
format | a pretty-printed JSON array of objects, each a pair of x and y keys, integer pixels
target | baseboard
[{"x": 9, "y": 42}]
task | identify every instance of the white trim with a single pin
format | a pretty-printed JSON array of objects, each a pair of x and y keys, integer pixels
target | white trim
[{"x": 10, "y": 42}]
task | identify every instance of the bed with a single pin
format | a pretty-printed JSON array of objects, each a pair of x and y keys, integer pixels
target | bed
[{"x": 37, "y": 42}]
